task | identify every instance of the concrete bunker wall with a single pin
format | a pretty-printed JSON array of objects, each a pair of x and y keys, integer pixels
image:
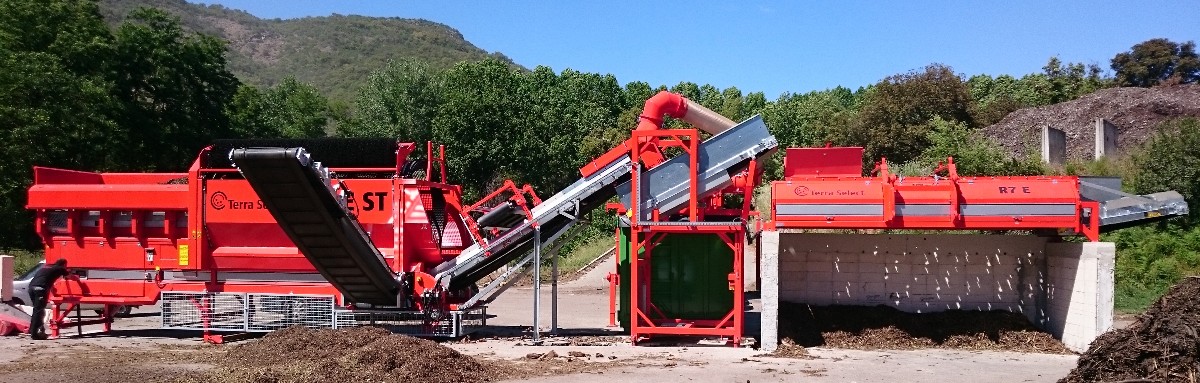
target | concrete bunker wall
[{"x": 1064, "y": 288}]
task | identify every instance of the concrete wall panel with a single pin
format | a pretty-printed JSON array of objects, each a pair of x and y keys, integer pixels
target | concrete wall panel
[{"x": 915, "y": 273}]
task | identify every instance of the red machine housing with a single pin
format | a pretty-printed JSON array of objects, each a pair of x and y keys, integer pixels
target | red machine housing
[
  {"x": 133, "y": 236},
  {"x": 820, "y": 192}
]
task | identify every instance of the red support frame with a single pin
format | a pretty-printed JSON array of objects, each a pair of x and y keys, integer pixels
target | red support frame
[
  {"x": 645, "y": 319},
  {"x": 517, "y": 196}
]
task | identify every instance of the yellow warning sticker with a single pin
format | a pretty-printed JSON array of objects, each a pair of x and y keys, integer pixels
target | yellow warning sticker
[{"x": 183, "y": 255}]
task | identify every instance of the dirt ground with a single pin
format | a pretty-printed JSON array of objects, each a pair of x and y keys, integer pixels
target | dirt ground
[{"x": 587, "y": 351}]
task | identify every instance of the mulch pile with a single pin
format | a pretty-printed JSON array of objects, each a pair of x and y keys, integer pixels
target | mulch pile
[
  {"x": 1135, "y": 112},
  {"x": 886, "y": 328},
  {"x": 789, "y": 349},
  {"x": 1163, "y": 345},
  {"x": 360, "y": 354}
]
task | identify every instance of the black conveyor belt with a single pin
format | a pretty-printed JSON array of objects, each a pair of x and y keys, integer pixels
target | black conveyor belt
[{"x": 292, "y": 189}]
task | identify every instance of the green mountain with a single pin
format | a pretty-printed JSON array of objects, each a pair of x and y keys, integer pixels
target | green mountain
[{"x": 334, "y": 53}]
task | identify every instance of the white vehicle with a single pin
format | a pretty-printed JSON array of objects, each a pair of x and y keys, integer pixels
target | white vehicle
[{"x": 20, "y": 293}]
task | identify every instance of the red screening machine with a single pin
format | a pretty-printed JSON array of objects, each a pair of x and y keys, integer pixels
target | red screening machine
[{"x": 824, "y": 189}]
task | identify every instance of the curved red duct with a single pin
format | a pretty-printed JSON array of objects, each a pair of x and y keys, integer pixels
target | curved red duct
[
  {"x": 677, "y": 106},
  {"x": 663, "y": 103}
]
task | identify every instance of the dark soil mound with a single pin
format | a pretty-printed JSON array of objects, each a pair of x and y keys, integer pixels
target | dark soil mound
[
  {"x": 1135, "y": 112},
  {"x": 1163, "y": 345},
  {"x": 884, "y": 327},
  {"x": 361, "y": 354}
]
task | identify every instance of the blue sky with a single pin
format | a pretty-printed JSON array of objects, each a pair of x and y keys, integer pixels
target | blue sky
[{"x": 778, "y": 47}]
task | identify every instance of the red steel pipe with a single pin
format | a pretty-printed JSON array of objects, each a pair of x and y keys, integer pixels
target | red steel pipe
[
  {"x": 662, "y": 104},
  {"x": 677, "y": 106}
]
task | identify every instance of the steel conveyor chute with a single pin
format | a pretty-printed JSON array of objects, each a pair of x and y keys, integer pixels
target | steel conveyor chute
[
  {"x": 720, "y": 156},
  {"x": 297, "y": 192}
]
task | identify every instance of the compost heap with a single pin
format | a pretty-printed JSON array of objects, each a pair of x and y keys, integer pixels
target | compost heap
[
  {"x": 360, "y": 354},
  {"x": 884, "y": 327},
  {"x": 1161, "y": 346}
]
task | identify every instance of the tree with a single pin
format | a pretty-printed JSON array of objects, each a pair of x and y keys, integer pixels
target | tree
[
  {"x": 1171, "y": 161},
  {"x": 72, "y": 31},
  {"x": 174, "y": 87},
  {"x": 480, "y": 120},
  {"x": 974, "y": 155},
  {"x": 1070, "y": 81},
  {"x": 290, "y": 109},
  {"x": 636, "y": 94},
  {"x": 573, "y": 114},
  {"x": 49, "y": 117},
  {"x": 55, "y": 108},
  {"x": 1156, "y": 61},
  {"x": 892, "y": 121},
  {"x": 399, "y": 101},
  {"x": 808, "y": 119},
  {"x": 247, "y": 114},
  {"x": 754, "y": 103},
  {"x": 301, "y": 110}
]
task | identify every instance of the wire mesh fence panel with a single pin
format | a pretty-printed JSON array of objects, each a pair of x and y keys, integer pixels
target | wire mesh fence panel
[
  {"x": 455, "y": 323},
  {"x": 204, "y": 311},
  {"x": 269, "y": 312}
]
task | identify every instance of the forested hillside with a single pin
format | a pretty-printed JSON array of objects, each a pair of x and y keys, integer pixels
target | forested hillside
[
  {"x": 145, "y": 89},
  {"x": 333, "y": 53}
]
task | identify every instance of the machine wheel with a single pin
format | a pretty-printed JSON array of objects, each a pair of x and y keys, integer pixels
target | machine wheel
[{"x": 120, "y": 312}]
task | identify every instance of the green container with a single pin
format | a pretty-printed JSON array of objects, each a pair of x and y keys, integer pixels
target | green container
[{"x": 689, "y": 277}]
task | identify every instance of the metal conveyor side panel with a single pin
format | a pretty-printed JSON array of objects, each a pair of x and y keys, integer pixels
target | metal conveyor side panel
[
  {"x": 665, "y": 186},
  {"x": 1119, "y": 209},
  {"x": 555, "y": 215}
]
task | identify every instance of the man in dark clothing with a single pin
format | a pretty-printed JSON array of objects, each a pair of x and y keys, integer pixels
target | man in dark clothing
[{"x": 39, "y": 290}]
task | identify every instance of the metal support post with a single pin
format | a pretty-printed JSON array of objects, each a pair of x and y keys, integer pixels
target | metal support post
[
  {"x": 537, "y": 281},
  {"x": 554, "y": 293}
]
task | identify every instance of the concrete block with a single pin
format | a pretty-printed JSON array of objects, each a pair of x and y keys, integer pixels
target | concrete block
[
  {"x": 844, "y": 267},
  {"x": 1106, "y": 138},
  {"x": 817, "y": 284},
  {"x": 791, "y": 287},
  {"x": 872, "y": 276},
  {"x": 793, "y": 266},
  {"x": 978, "y": 269},
  {"x": 818, "y": 266},
  {"x": 820, "y": 256},
  {"x": 923, "y": 269},
  {"x": 1054, "y": 145},
  {"x": 769, "y": 291},
  {"x": 820, "y": 276},
  {"x": 898, "y": 268},
  {"x": 1080, "y": 291}
]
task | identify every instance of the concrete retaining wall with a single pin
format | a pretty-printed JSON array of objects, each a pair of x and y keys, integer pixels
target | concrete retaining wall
[
  {"x": 926, "y": 273},
  {"x": 1079, "y": 294}
]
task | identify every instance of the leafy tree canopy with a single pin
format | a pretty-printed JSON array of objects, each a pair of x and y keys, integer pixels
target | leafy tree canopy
[{"x": 1157, "y": 61}]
